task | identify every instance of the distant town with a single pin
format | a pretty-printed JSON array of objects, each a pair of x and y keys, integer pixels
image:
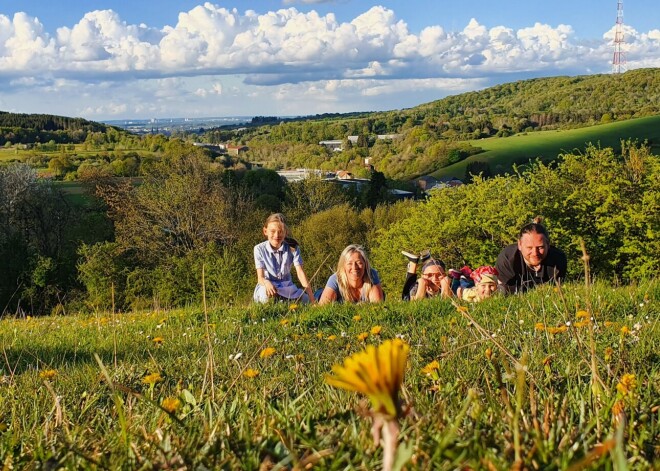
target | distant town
[{"x": 167, "y": 126}]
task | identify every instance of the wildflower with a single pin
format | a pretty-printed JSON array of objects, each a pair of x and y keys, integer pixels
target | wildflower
[
  {"x": 625, "y": 330},
  {"x": 376, "y": 372},
  {"x": 284, "y": 322},
  {"x": 363, "y": 336},
  {"x": 583, "y": 323},
  {"x": 250, "y": 373},
  {"x": 267, "y": 352},
  {"x": 539, "y": 326},
  {"x": 47, "y": 374},
  {"x": 357, "y": 318},
  {"x": 375, "y": 330},
  {"x": 170, "y": 404},
  {"x": 319, "y": 335},
  {"x": 431, "y": 367},
  {"x": 488, "y": 353},
  {"x": 462, "y": 309},
  {"x": 152, "y": 379},
  {"x": 158, "y": 340},
  {"x": 618, "y": 412},
  {"x": 332, "y": 337},
  {"x": 557, "y": 330},
  {"x": 293, "y": 307},
  {"x": 627, "y": 384},
  {"x": 609, "y": 324}
]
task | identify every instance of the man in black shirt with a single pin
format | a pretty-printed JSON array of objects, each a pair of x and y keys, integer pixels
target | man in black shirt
[{"x": 531, "y": 261}]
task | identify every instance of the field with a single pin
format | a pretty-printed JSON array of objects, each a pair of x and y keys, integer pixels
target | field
[
  {"x": 501, "y": 153},
  {"x": 561, "y": 378}
]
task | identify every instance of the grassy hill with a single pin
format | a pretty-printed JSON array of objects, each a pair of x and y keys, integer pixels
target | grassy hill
[
  {"x": 501, "y": 153},
  {"x": 510, "y": 380}
]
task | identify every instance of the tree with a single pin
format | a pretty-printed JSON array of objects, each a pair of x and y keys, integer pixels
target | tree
[{"x": 310, "y": 196}]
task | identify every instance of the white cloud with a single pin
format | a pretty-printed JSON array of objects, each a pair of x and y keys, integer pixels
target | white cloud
[{"x": 311, "y": 54}]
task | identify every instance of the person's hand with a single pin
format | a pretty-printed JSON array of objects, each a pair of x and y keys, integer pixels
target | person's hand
[{"x": 270, "y": 289}]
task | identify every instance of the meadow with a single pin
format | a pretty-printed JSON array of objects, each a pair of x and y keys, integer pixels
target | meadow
[
  {"x": 560, "y": 378},
  {"x": 502, "y": 152}
]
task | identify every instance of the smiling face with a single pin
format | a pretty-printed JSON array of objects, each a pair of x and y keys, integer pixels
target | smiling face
[
  {"x": 354, "y": 268},
  {"x": 534, "y": 248},
  {"x": 433, "y": 275},
  {"x": 275, "y": 233},
  {"x": 485, "y": 290}
]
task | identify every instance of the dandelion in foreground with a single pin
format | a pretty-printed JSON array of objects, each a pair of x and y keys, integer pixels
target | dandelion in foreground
[
  {"x": 170, "y": 404},
  {"x": 332, "y": 337},
  {"x": 267, "y": 352},
  {"x": 362, "y": 336},
  {"x": 293, "y": 307},
  {"x": 357, "y": 318},
  {"x": 47, "y": 374},
  {"x": 250, "y": 373},
  {"x": 377, "y": 372},
  {"x": 625, "y": 330},
  {"x": 375, "y": 330},
  {"x": 158, "y": 340}
]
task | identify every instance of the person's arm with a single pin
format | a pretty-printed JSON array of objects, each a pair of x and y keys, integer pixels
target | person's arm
[
  {"x": 506, "y": 273},
  {"x": 328, "y": 296},
  {"x": 376, "y": 294},
  {"x": 261, "y": 279},
  {"x": 422, "y": 285},
  {"x": 445, "y": 288},
  {"x": 305, "y": 283}
]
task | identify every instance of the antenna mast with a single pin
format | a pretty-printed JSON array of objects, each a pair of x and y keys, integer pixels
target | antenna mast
[{"x": 619, "y": 60}]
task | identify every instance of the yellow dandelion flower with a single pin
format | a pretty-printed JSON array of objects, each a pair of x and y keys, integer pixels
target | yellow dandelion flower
[
  {"x": 293, "y": 307},
  {"x": 152, "y": 379},
  {"x": 609, "y": 324},
  {"x": 170, "y": 404},
  {"x": 376, "y": 372},
  {"x": 582, "y": 315},
  {"x": 625, "y": 330},
  {"x": 557, "y": 330},
  {"x": 431, "y": 367},
  {"x": 618, "y": 412},
  {"x": 332, "y": 337},
  {"x": 319, "y": 335},
  {"x": 357, "y": 318},
  {"x": 462, "y": 309},
  {"x": 627, "y": 384},
  {"x": 158, "y": 340},
  {"x": 539, "y": 326},
  {"x": 250, "y": 373},
  {"x": 267, "y": 352},
  {"x": 284, "y": 321},
  {"x": 47, "y": 374},
  {"x": 375, "y": 330},
  {"x": 362, "y": 336},
  {"x": 582, "y": 323}
]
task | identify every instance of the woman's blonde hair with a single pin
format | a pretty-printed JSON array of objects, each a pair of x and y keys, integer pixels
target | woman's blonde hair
[{"x": 342, "y": 279}]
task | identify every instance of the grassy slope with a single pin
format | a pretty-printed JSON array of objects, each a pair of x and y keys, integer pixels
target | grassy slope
[
  {"x": 287, "y": 414},
  {"x": 501, "y": 153}
]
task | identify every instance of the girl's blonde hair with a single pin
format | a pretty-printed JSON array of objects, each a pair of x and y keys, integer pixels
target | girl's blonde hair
[
  {"x": 342, "y": 279},
  {"x": 278, "y": 218}
]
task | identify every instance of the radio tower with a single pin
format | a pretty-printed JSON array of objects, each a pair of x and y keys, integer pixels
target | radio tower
[{"x": 619, "y": 60}]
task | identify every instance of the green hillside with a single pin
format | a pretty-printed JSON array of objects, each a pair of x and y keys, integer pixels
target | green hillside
[{"x": 502, "y": 153}]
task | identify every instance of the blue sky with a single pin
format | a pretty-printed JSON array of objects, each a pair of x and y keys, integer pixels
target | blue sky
[{"x": 113, "y": 59}]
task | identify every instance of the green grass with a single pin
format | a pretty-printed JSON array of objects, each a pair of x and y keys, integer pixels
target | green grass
[
  {"x": 532, "y": 397},
  {"x": 501, "y": 153}
]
